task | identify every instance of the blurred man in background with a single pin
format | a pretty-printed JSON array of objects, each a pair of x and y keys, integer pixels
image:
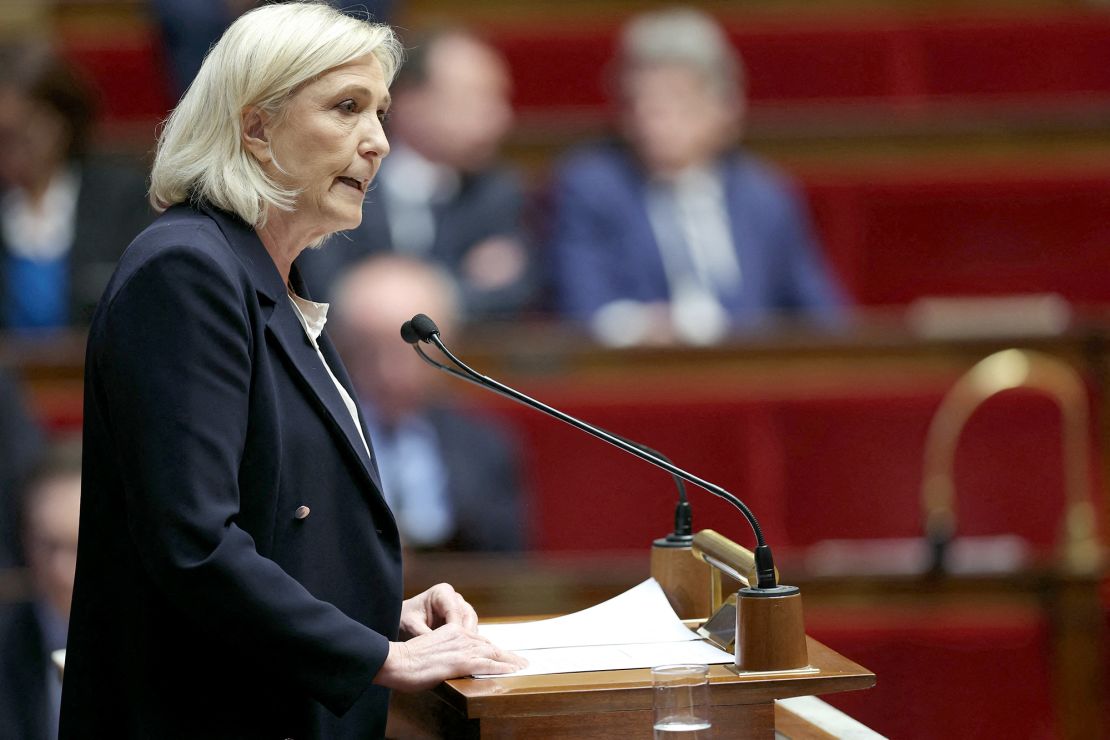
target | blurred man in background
[
  {"x": 442, "y": 193},
  {"x": 451, "y": 478},
  {"x": 673, "y": 233},
  {"x": 190, "y": 28},
  {"x": 30, "y": 687}
]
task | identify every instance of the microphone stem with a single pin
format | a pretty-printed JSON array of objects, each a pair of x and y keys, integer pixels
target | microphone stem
[
  {"x": 683, "y": 515},
  {"x": 674, "y": 470}
]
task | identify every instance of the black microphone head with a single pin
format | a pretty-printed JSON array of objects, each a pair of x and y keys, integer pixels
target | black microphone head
[
  {"x": 424, "y": 327},
  {"x": 408, "y": 333}
]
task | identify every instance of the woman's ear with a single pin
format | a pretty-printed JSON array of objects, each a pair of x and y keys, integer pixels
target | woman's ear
[{"x": 256, "y": 138}]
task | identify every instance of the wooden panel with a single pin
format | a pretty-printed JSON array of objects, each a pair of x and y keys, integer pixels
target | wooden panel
[
  {"x": 425, "y": 716},
  {"x": 743, "y": 722},
  {"x": 630, "y": 690}
]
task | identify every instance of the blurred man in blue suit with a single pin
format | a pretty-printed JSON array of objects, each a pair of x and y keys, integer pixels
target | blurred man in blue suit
[
  {"x": 190, "y": 28},
  {"x": 673, "y": 233}
]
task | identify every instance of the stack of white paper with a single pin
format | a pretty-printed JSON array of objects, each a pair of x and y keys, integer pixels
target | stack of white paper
[{"x": 637, "y": 629}]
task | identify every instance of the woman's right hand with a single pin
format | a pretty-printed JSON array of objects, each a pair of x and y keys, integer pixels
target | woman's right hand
[{"x": 447, "y": 652}]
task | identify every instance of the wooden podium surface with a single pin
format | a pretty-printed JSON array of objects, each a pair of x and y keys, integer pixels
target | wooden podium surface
[{"x": 606, "y": 704}]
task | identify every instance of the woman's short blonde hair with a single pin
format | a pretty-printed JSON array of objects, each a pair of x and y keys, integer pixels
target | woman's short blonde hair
[{"x": 260, "y": 61}]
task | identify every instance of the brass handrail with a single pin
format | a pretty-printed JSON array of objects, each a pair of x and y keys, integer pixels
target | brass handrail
[
  {"x": 725, "y": 556},
  {"x": 1001, "y": 371}
]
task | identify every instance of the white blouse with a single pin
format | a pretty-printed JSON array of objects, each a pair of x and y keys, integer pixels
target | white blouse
[{"x": 313, "y": 316}]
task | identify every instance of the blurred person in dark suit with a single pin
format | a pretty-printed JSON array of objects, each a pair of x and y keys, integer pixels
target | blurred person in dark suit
[
  {"x": 21, "y": 443},
  {"x": 451, "y": 477},
  {"x": 673, "y": 232},
  {"x": 443, "y": 194},
  {"x": 190, "y": 28},
  {"x": 30, "y": 688},
  {"x": 64, "y": 216}
]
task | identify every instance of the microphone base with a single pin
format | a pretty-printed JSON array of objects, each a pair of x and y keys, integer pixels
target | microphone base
[
  {"x": 674, "y": 541},
  {"x": 685, "y": 579},
  {"x": 770, "y": 630}
]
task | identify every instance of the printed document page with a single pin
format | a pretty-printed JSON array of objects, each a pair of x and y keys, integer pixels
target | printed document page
[{"x": 637, "y": 629}]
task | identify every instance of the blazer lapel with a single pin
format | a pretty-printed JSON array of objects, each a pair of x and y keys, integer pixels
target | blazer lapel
[
  {"x": 340, "y": 372},
  {"x": 287, "y": 330},
  {"x": 290, "y": 336}
]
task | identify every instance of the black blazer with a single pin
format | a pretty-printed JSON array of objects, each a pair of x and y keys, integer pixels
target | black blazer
[{"x": 206, "y": 605}]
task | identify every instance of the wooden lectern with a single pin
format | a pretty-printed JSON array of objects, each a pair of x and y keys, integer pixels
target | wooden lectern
[{"x": 607, "y": 704}]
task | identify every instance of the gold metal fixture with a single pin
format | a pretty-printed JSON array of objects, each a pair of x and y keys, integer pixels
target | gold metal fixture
[{"x": 1001, "y": 371}]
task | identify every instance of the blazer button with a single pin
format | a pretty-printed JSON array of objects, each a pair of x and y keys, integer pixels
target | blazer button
[{"x": 302, "y": 512}]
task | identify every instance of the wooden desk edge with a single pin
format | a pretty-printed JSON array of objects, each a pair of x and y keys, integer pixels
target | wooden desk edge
[{"x": 629, "y": 690}]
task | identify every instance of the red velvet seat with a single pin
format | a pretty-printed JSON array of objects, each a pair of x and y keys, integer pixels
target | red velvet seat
[
  {"x": 897, "y": 60},
  {"x": 812, "y": 469},
  {"x": 901, "y": 235},
  {"x": 904, "y": 62},
  {"x": 945, "y": 672}
]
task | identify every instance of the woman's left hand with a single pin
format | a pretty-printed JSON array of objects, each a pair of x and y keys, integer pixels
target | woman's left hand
[{"x": 437, "y": 606}]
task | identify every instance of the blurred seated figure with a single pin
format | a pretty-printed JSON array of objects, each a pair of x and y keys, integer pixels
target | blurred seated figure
[
  {"x": 30, "y": 688},
  {"x": 20, "y": 446},
  {"x": 64, "y": 218},
  {"x": 674, "y": 232},
  {"x": 450, "y": 477},
  {"x": 442, "y": 194},
  {"x": 190, "y": 28}
]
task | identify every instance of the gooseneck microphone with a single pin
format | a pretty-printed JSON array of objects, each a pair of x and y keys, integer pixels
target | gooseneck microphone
[
  {"x": 422, "y": 329},
  {"x": 683, "y": 534}
]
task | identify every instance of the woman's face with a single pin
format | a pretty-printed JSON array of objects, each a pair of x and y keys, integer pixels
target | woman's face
[{"x": 329, "y": 143}]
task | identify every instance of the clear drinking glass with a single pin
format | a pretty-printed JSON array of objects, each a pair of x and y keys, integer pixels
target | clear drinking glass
[{"x": 681, "y": 701}]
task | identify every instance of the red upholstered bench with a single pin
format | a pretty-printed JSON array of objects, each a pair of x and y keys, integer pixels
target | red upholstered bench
[
  {"x": 844, "y": 467},
  {"x": 946, "y": 671},
  {"x": 126, "y": 67},
  {"x": 904, "y": 233},
  {"x": 903, "y": 61}
]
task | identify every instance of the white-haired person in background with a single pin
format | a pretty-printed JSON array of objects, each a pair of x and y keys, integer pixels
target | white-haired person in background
[
  {"x": 238, "y": 569},
  {"x": 673, "y": 232}
]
